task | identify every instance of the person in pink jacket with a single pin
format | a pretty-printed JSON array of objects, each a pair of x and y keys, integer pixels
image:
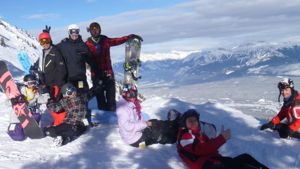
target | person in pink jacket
[{"x": 134, "y": 130}]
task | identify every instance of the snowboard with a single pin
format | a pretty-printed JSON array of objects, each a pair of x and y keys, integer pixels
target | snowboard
[
  {"x": 132, "y": 61},
  {"x": 29, "y": 125},
  {"x": 24, "y": 60}
]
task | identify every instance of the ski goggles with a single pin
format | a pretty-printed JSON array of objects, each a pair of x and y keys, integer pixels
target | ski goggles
[
  {"x": 70, "y": 91},
  {"x": 45, "y": 41},
  {"x": 283, "y": 85},
  {"x": 74, "y": 31},
  {"x": 31, "y": 83}
]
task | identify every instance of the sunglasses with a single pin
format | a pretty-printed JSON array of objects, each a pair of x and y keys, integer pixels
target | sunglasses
[
  {"x": 74, "y": 31},
  {"x": 45, "y": 41}
]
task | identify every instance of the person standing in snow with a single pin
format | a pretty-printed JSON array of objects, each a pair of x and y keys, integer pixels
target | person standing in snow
[
  {"x": 76, "y": 54},
  {"x": 290, "y": 111},
  {"x": 137, "y": 132},
  {"x": 51, "y": 70},
  {"x": 100, "y": 45},
  {"x": 199, "y": 152},
  {"x": 75, "y": 122}
]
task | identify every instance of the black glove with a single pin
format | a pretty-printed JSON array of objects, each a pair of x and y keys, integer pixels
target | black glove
[
  {"x": 135, "y": 36},
  {"x": 284, "y": 131},
  {"x": 19, "y": 99},
  {"x": 267, "y": 125},
  {"x": 47, "y": 29}
]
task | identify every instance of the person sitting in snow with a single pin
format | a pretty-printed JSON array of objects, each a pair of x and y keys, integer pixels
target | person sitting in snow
[
  {"x": 290, "y": 111},
  {"x": 199, "y": 152},
  {"x": 75, "y": 122},
  {"x": 30, "y": 89},
  {"x": 137, "y": 132}
]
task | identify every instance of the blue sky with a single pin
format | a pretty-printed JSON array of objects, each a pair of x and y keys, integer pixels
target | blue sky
[
  {"x": 34, "y": 14},
  {"x": 165, "y": 25}
]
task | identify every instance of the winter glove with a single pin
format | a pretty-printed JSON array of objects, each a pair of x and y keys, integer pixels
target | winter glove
[
  {"x": 135, "y": 36},
  {"x": 47, "y": 29},
  {"x": 267, "y": 125},
  {"x": 19, "y": 99},
  {"x": 284, "y": 131}
]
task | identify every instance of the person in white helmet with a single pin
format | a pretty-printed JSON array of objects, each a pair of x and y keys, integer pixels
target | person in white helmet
[
  {"x": 76, "y": 55},
  {"x": 289, "y": 111}
]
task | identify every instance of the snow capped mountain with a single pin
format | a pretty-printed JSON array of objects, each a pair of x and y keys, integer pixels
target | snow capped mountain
[
  {"x": 14, "y": 40},
  {"x": 259, "y": 58}
]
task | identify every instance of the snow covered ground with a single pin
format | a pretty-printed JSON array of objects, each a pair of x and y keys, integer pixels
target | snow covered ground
[{"x": 235, "y": 106}]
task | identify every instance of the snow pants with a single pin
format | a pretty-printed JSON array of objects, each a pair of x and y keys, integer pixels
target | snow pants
[
  {"x": 243, "y": 161},
  {"x": 67, "y": 131},
  {"x": 162, "y": 132},
  {"x": 106, "y": 96}
]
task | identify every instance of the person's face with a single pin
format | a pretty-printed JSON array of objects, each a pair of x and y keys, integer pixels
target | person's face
[
  {"x": 45, "y": 43},
  {"x": 192, "y": 123},
  {"x": 95, "y": 32},
  {"x": 286, "y": 92},
  {"x": 74, "y": 34}
]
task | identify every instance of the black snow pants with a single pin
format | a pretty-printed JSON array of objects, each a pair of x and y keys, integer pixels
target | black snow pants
[{"x": 243, "y": 161}]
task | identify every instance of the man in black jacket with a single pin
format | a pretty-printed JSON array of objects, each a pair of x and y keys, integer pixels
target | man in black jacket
[{"x": 76, "y": 55}]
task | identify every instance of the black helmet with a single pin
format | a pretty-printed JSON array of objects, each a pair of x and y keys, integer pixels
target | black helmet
[
  {"x": 68, "y": 89},
  {"x": 94, "y": 25},
  {"x": 187, "y": 114},
  {"x": 29, "y": 77}
]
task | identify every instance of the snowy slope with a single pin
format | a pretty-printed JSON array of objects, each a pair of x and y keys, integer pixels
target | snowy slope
[{"x": 232, "y": 87}]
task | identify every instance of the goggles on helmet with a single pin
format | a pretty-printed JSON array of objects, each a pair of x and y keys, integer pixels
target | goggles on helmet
[
  {"x": 45, "y": 41},
  {"x": 70, "y": 91},
  {"x": 283, "y": 85},
  {"x": 74, "y": 31},
  {"x": 31, "y": 83}
]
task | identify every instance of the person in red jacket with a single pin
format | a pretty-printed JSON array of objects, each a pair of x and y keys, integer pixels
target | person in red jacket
[
  {"x": 100, "y": 45},
  {"x": 290, "y": 111},
  {"x": 199, "y": 152}
]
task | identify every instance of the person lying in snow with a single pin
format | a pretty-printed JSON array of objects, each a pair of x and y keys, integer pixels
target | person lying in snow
[
  {"x": 137, "y": 132},
  {"x": 290, "y": 111},
  {"x": 75, "y": 122},
  {"x": 199, "y": 152}
]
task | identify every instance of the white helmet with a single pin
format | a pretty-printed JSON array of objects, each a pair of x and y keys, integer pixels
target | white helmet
[{"x": 73, "y": 26}]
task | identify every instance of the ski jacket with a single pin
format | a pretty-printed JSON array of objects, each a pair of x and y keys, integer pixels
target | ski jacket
[
  {"x": 76, "y": 108},
  {"x": 291, "y": 111},
  {"x": 130, "y": 125},
  {"x": 101, "y": 52},
  {"x": 31, "y": 95},
  {"x": 76, "y": 55},
  {"x": 53, "y": 67},
  {"x": 195, "y": 149}
]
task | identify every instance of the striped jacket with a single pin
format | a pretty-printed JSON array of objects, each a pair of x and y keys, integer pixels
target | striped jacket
[
  {"x": 195, "y": 149},
  {"x": 291, "y": 111}
]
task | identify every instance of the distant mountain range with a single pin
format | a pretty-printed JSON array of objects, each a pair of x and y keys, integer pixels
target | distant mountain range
[{"x": 257, "y": 58}]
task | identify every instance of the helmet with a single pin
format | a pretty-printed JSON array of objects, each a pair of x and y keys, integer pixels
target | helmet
[
  {"x": 44, "y": 35},
  {"x": 94, "y": 25},
  {"x": 187, "y": 114},
  {"x": 29, "y": 77},
  {"x": 285, "y": 83},
  {"x": 129, "y": 91},
  {"x": 73, "y": 28},
  {"x": 68, "y": 89}
]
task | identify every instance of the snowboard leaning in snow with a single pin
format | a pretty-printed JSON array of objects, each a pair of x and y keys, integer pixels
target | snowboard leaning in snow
[
  {"x": 132, "y": 61},
  {"x": 30, "y": 126}
]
